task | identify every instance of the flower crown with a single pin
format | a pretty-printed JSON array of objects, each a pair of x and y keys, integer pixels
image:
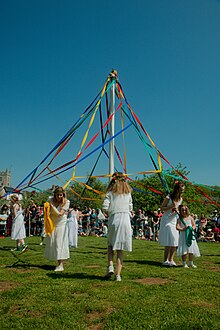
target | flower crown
[{"x": 119, "y": 177}]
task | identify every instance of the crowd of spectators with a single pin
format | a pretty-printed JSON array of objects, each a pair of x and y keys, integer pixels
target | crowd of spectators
[{"x": 93, "y": 222}]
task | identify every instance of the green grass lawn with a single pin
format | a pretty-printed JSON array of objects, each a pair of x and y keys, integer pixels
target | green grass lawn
[{"x": 33, "y": 296}]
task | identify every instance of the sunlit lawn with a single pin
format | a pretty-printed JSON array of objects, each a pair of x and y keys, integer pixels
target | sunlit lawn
[{"x": 33, "y": 296}]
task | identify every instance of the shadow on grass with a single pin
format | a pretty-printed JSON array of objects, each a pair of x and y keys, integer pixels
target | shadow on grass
[
  {"x": 6, "y": 248},
  {"x": 144, "y": 262},
  {"x": 22, "y": 264},
  {"x": 89, "y": 252},
  {"x": 80, "y": 276},
  {"x": 150, "y": 263},
  {"x": 210, "y": 255},
  {"x": 97, "y": 247}
]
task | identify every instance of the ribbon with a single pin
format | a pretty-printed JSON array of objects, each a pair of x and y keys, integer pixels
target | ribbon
[{"x": 48, "y": 222}]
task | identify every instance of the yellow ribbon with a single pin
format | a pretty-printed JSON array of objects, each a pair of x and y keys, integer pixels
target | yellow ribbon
[{"x": 48, "y": 223}]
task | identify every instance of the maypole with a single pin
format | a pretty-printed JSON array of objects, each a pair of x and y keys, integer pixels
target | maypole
[{"x": 113, "y": 76}]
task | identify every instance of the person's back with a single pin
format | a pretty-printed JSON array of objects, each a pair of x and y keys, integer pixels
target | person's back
[{"x": 118, "y": 204}]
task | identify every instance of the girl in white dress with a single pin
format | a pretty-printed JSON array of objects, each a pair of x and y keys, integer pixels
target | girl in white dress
[
  {"x": 18, "y": 227},
  {"x": 118, "y": 205},
  {"x": 72, "y": 222},
  {"x": 187, "y": 246},
  {"x": 57, "y": 242},
  {"x": 168, "y": 234}
]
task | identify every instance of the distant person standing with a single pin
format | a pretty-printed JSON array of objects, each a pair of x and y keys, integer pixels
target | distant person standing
[
  {"x": 57, "y": 242},
  {"x": 72, "y": 222},
  {"x": 18, "y": 231},
  {"x": 118, "y": 205},
  {"x": 168, "y": 234},
  {"x": 85, "y": 220},
  {"x": 3, "y": 219}
]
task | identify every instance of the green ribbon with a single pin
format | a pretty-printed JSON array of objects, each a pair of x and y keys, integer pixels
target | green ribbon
[{"x": 189, "y": 232}]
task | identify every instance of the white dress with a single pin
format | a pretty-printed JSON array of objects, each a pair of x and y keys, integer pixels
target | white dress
[
  {"x": 72, "y": 224},
  {"x": 18, "y": 227},
  {"x": 119, "y": 223},
  {"x": 57, "y": 245},
  {"x": 168, "y": 234},
  {"x": 182, "y": 247}
]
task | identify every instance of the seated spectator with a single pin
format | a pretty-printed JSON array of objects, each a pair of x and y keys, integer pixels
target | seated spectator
[
  {"x": 140, "y": 234},
  {"x": 201, "y": 235},
  {"x": 216, "y": 232},
  {"x": 103, "y": 230},
  {"x": 94, "y": 228},
  {"x": 209, "y": 236},
  {"x": 148, "y": 233},
  {"x": 81, "y": 231}
]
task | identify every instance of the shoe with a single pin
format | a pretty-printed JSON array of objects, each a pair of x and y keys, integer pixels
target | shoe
[
  {"x": 109, "y": 272},
  {"x": 59, "y": 268},
  {"x": 166, "y": 263},
  {"x": 193, "y": 266},
  {"x": 172, "y": 264},
  {"x": 185, "y": 266},
  {"x": 118, "y": 278},
  {"x": 16, "y": 249},
  {"x": 41, "y": 243},
  {"x": 24, "y": 247}
]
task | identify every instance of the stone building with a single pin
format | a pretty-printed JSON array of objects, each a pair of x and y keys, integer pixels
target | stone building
[{"x": 5, "y": 178}]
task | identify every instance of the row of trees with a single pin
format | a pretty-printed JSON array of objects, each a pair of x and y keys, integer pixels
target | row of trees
[{"x": 148, "y": 193}]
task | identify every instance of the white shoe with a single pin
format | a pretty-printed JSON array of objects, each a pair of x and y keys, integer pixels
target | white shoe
[
  {"x": 59, "y": 268},
  {"x": 185, "y": 266},
  {"x": 118, "y": 278},
  {"x": 193, "y": 266},
  {"x": 110, "y": 271},
  {"x": 41, "y": 243},
  {"x": 24, "y": 247},
  {"x": 166, "y": 263},
  {"x": 172, "y": 264}
]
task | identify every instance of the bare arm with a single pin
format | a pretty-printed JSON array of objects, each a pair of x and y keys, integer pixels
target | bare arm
[
  {"x": 193, "y": 223},
  {"x": 179, "y": 227},
  {"x": 165, "y": 207},
  {"x": 14, "y": 210}
]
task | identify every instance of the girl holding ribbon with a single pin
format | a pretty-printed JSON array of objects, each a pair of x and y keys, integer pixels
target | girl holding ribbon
[
  {"x": 55, "y": 222},
  {"x": 187, "y": 240}
]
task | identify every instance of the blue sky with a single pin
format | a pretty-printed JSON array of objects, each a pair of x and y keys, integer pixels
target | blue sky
[{"x": 56, "y": 55}]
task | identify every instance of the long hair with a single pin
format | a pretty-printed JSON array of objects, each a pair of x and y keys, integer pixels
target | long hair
[
  {"x": 181, "y": 211},
  {"x": 177, "y": 191},
  {"x": 118, "y": 184},
  {"x": 14, "y": 199},
  {"x": 59, "y": 190}
]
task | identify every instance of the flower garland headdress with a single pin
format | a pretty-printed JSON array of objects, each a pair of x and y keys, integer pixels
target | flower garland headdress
[{"x": 118, "y": 176}]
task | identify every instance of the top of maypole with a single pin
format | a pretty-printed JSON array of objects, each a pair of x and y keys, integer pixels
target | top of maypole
[{"x": 113, "y": 75}]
